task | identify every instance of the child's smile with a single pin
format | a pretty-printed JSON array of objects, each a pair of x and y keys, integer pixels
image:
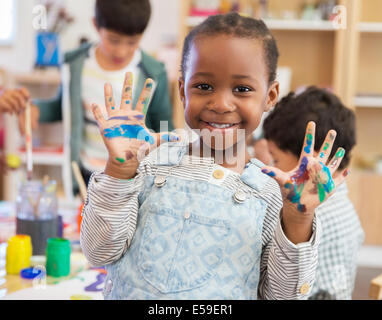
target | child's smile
[{"x": 225, "y": 90}]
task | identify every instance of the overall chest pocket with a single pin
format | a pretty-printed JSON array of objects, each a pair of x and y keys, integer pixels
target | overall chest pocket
[{"x": 180, "y": 250}]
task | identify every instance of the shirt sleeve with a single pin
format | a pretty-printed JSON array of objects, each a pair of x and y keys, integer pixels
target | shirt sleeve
[
  {"x": 109, "y": 217},
  {"x": 287, "y": 270}
]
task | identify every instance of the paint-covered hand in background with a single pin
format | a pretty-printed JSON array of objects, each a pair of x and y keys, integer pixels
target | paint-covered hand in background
[
  {"x": 308, "y": 185},
  {"x": 126, "y": 137}
]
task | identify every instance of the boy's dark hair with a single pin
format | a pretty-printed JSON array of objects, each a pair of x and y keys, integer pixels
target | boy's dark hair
[
  {"x": 286, "y": 123},
  {"x": 238, "y": 26},
  {"x": 129, "y": 17}
]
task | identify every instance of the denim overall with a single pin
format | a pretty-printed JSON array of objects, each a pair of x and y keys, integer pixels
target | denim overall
[{"x": 194, "y": 240}]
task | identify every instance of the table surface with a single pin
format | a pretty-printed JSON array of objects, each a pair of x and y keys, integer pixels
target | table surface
[{"x": 83, "y": 282}]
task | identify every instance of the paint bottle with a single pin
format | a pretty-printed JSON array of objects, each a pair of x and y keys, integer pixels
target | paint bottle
[
  {"x": 58, "y": 257},
  {"x": 36, "y": 207},
  {"x": 19, "y": 252}
]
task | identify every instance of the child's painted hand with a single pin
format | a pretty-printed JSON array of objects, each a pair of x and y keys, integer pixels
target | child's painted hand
[
  {"x": 126, "y": 137},
  {"x": 311, "y": 182}
]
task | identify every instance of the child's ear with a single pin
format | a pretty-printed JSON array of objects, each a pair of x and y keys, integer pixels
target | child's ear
[
  {"x": 181, "y": 90},
  {"x": 273, "y": 95},
  {"x": 95, "y": 24}
]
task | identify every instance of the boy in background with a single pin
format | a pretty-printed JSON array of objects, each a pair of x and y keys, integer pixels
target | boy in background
[
  {"x": 342, "y": 234},
  {"x": 120, "y": 25}
]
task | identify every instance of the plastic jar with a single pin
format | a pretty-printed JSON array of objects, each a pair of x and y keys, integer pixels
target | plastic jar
[
  {"x": 36, "y": 207},
  {"x": 19, "y": 252},
  {"x": 58, "y": 257}
]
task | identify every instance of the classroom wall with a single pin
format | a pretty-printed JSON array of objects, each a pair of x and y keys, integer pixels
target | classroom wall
[{"x": 20, "y": 56}]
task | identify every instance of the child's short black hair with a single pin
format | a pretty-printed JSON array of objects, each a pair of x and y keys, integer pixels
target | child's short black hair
[
  {"x": 238, "y": 26},
  {"x": 129, "y": 17},
  {"x": 286, "y": 123}
]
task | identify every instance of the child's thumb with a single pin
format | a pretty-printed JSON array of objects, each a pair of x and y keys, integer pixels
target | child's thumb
[{"x": 277, "y": 174}]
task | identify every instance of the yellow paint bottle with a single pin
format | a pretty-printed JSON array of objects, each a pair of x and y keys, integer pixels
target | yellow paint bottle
[{"x": 19, "y": 252}]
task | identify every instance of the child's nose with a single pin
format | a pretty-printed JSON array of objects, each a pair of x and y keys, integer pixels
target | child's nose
[
  {"x": 221, "y": 104},
  {"x": 122, "y": 52}
]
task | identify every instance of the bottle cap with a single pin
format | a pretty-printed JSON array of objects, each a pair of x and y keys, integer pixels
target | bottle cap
[{"x": 30, "y": 273}]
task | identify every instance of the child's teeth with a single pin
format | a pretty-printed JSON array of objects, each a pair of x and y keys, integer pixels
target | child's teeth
[{"x": 220, "y": 126}]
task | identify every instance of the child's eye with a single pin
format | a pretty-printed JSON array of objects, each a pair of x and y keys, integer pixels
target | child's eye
[
  {"x": 242, "y": 89},
  {"x": 204, "y": 86}
]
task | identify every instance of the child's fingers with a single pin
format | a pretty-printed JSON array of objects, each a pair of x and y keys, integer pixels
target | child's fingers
[
  {"x": 144, "y": 99},
  {"x": 308, "y": 146},
  {"x": 109, "y": 99},
  {"x": 280, "y": 176},
  {"x": 25, "y": 93},
  {"x": 336, "y": 160},
  {"x": 127, "y": 92},
  {"x": 327, "y": 146},
  {"x": 98, "y": 115},
  {"x": 163, "y": 137}
]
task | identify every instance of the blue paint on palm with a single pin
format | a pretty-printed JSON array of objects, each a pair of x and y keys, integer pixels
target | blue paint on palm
[
  {"x": 329, "y": 185},
  {"x": 129, "y": 131}
]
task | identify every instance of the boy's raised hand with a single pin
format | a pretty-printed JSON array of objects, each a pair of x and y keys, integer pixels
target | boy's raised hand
[
  {"x": 311, "y": 182},
  {"x": 124, "y": 132}
]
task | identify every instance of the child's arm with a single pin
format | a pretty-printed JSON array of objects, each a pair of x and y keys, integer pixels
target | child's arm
[
  {"x": 110, "y": 212},
  {"x": 291, "y": 256},
  {"x": 287, "y": 270},
  {"x": 109, "y": 218}
]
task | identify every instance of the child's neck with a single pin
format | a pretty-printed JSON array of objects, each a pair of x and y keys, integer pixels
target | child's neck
[{"x": 234, "y": 158}]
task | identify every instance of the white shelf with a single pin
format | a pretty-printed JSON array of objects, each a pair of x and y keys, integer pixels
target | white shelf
[
  {"x": 303, "y": 25},
  {"x": 276, "y": 24},
  {"x": 368, "y": 101},
  {"x": 372, "y": 27},
  {"x": 45, "y": 158}
]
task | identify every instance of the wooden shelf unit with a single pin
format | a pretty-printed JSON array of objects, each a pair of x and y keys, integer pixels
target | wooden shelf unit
[{"x": 347, "y": 60}]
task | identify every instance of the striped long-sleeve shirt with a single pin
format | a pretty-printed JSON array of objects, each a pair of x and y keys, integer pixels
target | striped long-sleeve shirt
[
  {"x": 287, "y": 270},
  {"x": 342, "y": 236}
]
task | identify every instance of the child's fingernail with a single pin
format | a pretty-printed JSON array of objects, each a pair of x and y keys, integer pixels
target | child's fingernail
[
  {"x": 268, "y": 172},
  {"x": 346, "y": 172},
  {"x": 169, "y": 138}
]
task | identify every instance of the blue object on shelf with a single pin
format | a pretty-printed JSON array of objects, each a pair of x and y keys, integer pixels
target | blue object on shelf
[{"x": 48, "y": 49}]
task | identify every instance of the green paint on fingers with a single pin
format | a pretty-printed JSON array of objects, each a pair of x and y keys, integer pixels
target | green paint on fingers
[
  {"x": 120, "y": 160},
  {"x": 145, "y": 105},
  {"x": 340, "y": 153}
]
